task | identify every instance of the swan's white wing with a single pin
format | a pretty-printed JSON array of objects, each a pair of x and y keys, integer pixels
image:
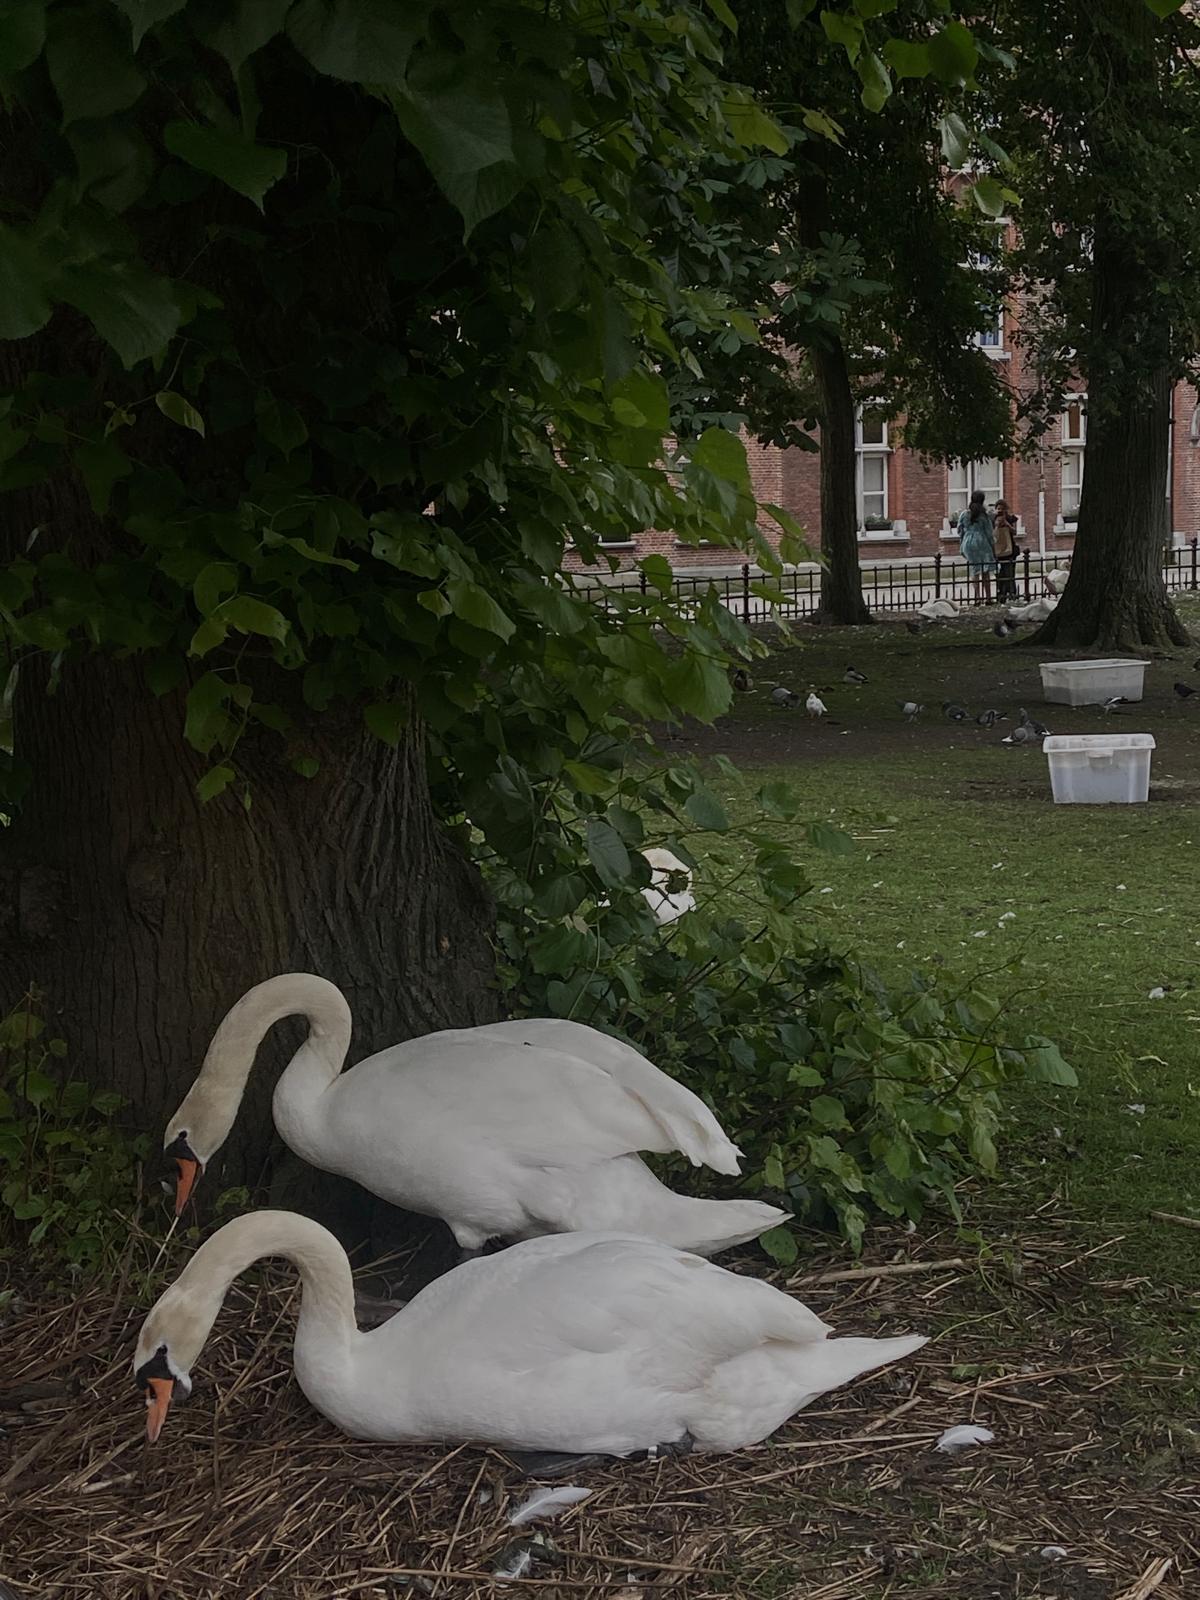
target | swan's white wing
[{"x": 682, "y": 1116}]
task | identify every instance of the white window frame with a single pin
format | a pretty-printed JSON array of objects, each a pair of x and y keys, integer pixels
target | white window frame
[
  {"x": 990, "y": 339},
  {"x": 971, "y": 471},
  {"x": 1073, "y": 450},
  {"x": 873, "y": 451}
]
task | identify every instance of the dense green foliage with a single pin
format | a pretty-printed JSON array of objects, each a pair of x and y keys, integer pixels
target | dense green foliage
[
  {"x": 66, "y": 1171},
  {"x": 845, "y": 1094}
]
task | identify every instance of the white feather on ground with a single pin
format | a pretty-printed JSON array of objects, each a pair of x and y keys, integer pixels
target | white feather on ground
[
  {"x": 963, "y": 1437},
  {"x": 543, "y": 1504},
  {"x": 938, "y": 608}
]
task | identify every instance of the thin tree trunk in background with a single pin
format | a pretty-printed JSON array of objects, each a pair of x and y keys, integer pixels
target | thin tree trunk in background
[{"x": 841, "y": 577}]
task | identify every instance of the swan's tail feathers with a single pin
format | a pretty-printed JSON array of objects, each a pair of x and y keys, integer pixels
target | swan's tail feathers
[
  {"x": 696, "y": 1133},
  {"x": 833, "y": 1362},
  {"x": 706, "y": 1226}
]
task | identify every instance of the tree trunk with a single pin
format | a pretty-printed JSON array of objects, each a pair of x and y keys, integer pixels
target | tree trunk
[
  {"x": 1115, "y": 598},
  {"x": 841, "y": 577},
  {"x": 142, "y": 915}
]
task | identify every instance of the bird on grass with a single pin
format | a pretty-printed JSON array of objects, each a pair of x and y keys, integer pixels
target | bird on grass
[
  {"x": 915, "y": 627},
  {"x": 785, "y": 697},
  {"x": 1022, "y": 734},
  {"x": 815, "y": 706},
  {"x": 989, "y": 718},
  {"x": 1196, "y": 665},
  {"x": 1184, "y": 691},
  {"x": 1113, "y": 703},
  {"x": 1039, "y": 730},
  {"x": 954, "y": 711},
  {"x": 740, "y": 680},
  {"x": 852, "y": 675},
  {"x": 1004, "y": 627},
  {"x": 911, "y": 709}
]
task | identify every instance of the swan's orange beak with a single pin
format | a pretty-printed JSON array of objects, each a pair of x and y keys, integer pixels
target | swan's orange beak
[
  {"x": 158, "y": 1400},
  {"x": 189, "y": 1170}
]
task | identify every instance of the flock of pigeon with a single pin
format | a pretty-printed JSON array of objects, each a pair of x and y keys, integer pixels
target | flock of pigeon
[{"x": 1027, "y": 731}]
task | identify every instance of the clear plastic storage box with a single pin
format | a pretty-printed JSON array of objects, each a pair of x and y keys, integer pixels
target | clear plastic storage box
[
  {"x": 1099, "y": 769},
  {"x": 1091, "y": 683}
]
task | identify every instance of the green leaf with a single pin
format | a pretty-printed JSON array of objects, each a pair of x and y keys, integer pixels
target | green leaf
[
  {"x": 723, "y": 453},
  {"x": 953, "y": 54},
  {"x": 205, "y": 719},
  {"x": 387, "y": 721},
  {"x": 750, "y": 125},
  {"x": 129, "y": 307},
  {"x": 830, "y": 839},
  {"x": 780, "y": 1244},
  {"x": 90, "y": 63},
  {"x": 876, "y": 81},
  {"x": 247, "y": 168},
  {"x": 478, "y": 195},
  {"x": 179, "y": 410},
  {"x": 474, "y": 605},
  {"x": 115, "y": 164},
  {"x": 22, "y": 35},
  {"x": 279, "y": 423},
  {"x": 100, "y": 463},
  {"x": 1165, "y": 8},
  {"x": 907, "y": 59},
  {"x": 990, "y": 196},
  {"x": 249, "y": 25},
  {"x": 249, "y": 615},
  {"x": 640, "y": 400},
  {"x": 720, "y": 10},
  {"x": 588, "y": 779},
  {"x": 24, "y": 287},
  {"x": 306, "y": 766},
  {"x": 36, "y": 1087},
  {"x": 211, "y": 633},
  {"x": 461, "y": 125},
  {"x": 843, "y": 30},
  {"x": 1045, "y": 1063},
  {"x": 359, "y": 41},
  {"x": 830, "y": 1113},
  {"x": 773, "y": 1174},
  {"x": 214, "y": 782},
  {"x": 698, "y": 686},
  {"x": 143, "y": 14},
  {"x": 825, "y": 126},
  {"x": 607, "y": 853},
  {"x": 956, "y": 139},
  {"x": 706, "y": 811}
]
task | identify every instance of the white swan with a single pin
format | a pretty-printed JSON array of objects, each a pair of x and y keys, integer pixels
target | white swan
[
  {"x": 582, "y": 1342},
  {"x": 505, "y": 1131},
  {"x": 668, "y": 905}
]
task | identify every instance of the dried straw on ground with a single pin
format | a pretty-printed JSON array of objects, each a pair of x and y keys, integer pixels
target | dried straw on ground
[{"x": 251, "y": 1496}]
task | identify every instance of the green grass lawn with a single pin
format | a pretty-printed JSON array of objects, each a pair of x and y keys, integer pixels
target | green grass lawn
[{"x": 964, "y": 864}]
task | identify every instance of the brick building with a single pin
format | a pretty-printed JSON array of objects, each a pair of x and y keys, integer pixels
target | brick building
[{"x": 907, "y": 507}]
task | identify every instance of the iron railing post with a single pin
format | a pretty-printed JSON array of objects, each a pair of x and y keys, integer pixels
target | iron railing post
[
  {"x": 1025, "y": 570},
  {"x": 937, "y": 576},
  {"x": 1195, "y": 542},
  {"x": 745, "y": 591}
]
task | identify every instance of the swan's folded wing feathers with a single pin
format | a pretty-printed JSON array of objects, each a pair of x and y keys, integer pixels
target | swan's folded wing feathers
[{"x": 683, "y": 1117}]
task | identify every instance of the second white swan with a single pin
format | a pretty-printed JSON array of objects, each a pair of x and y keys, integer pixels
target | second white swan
[{"x": 506, "y": 1131}]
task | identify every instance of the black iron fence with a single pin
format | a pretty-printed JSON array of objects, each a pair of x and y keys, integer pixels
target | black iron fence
[{"x": 894, "y": 585}]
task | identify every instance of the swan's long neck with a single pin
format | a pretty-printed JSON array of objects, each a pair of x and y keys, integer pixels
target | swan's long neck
[
  {"x": 212, "y": 1102},
  {"x": 326, "y": 1332}
]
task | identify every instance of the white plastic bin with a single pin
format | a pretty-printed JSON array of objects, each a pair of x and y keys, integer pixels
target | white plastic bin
[
  {"x": 1099, "y": 769},
  {"x": 1091, "y": 683}
]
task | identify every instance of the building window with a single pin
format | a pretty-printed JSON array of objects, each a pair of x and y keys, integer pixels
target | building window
[
  {"x": 992, "y": 337},
  {"x": 963, "y": 480},
  {"x": 1074, "y": 448},
  {"x": 872, "y": 451}
]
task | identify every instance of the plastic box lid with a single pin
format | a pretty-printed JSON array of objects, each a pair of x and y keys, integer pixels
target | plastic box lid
[{"x": 1097, "y": 743}]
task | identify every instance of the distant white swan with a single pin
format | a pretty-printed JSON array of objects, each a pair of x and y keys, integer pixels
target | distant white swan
[{"x": 507, "y": 1131}]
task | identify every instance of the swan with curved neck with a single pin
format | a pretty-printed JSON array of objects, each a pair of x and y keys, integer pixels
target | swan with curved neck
[
  {"x": 510, "y": 1130},
  {"x": 584, "y": 1343}
]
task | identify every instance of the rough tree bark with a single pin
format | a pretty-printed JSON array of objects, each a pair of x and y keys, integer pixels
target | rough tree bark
[
  {"x": 841, "y": 577},
  {"x": 1115, "y": 598},
  {"x": 142, "y": 915}
]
